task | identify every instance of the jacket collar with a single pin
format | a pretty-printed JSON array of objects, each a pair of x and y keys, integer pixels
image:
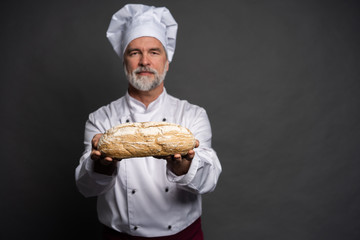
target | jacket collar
[{"x": 135, "y": 106}]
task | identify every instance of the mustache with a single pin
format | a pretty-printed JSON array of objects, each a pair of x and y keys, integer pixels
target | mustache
[{"x": 145, "y": 69}]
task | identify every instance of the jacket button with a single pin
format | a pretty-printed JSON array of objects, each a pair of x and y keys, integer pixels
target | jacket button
[
  {"x": 166, "y": 189},
  {"x": 127, "y": 120},
  {"x": 133, "y": 191},
  {"x": 169, "y": 227},
  {"x": 164, "y": 119},
  {"x": 135, "y": 228}
]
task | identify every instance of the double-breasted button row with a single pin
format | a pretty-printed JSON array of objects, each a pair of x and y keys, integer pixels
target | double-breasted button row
[
  {"x": 134, "y": 191},
  {"x": 128, "y": 120},
  {"x": 136, "y": 227}
]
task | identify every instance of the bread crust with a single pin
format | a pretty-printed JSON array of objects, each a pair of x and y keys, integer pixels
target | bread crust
[{"x": 145, "y": 139}]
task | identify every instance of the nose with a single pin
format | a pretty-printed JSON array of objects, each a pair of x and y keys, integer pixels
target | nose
[{"x": 144, "y": 61}]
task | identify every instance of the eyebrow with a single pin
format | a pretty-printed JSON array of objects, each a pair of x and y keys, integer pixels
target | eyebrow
[
  {"x": 132, "y": 49},
  {"x": 155, "y": 49},
  {"x": 137, "y": 49}
]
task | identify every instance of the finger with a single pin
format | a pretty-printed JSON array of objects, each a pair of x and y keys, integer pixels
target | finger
[
  {"x": 95, "y": 155},
  {"x": 106, "y": 161},
  {"x": 197, "y": 144},
  {"x": 94, "y": 143},
  {"x": 177, "y": 157},
  {"x": 109, "y": 159},
  {"x": 190, "y": 155},
  {"x": 95, "y": 140}
]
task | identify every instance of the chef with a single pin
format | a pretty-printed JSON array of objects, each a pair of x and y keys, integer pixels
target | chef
[{"x": 148, "y": 197}]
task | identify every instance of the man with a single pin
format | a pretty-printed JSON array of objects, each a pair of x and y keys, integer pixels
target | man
[{"x": 148, "y": 197}]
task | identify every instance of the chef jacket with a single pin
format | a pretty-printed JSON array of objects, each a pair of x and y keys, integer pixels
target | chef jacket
[{"x": 143, "y": 197}]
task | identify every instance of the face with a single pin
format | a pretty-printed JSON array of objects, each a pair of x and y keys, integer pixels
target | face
[{"x": 145, "y": 63}]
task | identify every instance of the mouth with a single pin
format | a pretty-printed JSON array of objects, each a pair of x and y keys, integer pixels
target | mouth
[{"x": 145, "y": 73}]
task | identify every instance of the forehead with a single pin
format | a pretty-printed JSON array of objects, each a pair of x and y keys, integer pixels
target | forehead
[{"x": 145, "y": 43}]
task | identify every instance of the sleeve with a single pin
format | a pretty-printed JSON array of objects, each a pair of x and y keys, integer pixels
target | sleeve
[
  {"x": 205, "y": 168},
  {"x": 87, "y": 181}
]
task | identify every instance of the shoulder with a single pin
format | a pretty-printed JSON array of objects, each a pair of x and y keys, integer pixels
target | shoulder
[
  {"x": 187, "y": 114},
  {"x": 182, "y": 103},
  {"x": 185, "y": 106}
]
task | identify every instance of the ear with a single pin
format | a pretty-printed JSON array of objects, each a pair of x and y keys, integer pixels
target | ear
[{"x": 167, "y": 65}]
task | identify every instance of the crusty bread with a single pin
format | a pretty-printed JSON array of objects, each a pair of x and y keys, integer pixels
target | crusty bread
[{"x": 130, "y": 140}]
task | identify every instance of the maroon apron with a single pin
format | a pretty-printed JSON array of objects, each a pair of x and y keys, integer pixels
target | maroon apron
[{"x": 192, "y": 232}]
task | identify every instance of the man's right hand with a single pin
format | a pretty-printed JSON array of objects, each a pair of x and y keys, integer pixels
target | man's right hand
[{"x": 103, "y": 165}]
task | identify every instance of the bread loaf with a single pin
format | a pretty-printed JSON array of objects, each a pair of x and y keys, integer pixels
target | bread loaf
[{"x": 146, "y": 139}]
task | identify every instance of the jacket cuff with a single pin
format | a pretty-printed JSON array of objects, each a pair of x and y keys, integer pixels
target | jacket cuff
[
  {"x": 98, "y": 177},
  {"x": 186, "y": 178}
]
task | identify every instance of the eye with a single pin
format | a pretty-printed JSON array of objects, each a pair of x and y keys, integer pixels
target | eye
[
  {"x": 133, "y": 53},
  {"x": 154, "y": 53}
]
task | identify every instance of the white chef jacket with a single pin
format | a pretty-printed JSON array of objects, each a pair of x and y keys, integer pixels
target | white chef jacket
[{"x": 143, "y": 197}]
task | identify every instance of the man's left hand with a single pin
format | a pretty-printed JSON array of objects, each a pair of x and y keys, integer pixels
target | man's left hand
[{"x": 179, "y": 164}]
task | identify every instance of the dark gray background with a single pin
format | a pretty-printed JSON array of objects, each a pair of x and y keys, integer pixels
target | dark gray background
[{"x": 280, "y": 82}]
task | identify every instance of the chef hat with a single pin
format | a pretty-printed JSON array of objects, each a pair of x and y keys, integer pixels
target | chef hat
[{"x": 137, "y": 20}]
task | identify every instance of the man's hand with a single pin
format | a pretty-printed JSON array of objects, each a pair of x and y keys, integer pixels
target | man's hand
[
  {"x": 178, "y": 164},
  {"x": 104, "y": 165}
]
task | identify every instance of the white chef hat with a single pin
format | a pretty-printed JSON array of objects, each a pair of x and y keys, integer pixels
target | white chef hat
[{"x": 137, "y": 20}]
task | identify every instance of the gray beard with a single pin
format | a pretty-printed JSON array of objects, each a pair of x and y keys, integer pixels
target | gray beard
[{"x": 145, "y": 83}]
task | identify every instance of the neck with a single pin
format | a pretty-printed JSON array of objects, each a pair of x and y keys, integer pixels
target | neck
[{"x": 146, "y": 97}]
